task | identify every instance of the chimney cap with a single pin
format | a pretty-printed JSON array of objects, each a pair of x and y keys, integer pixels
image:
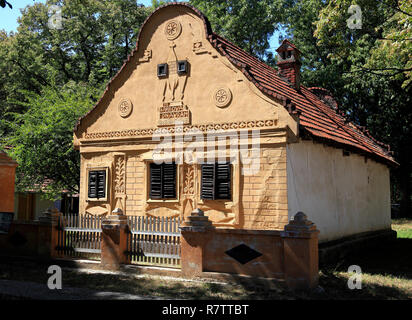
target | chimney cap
[{"x": 287, "y": 46}]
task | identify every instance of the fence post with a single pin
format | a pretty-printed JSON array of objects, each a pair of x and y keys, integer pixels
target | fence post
[
  {"x": 301, "y": 262},
  {"x": 196, "y": 232},
  {"x": 48, "y": 233},
  {"x": 114, "y": 240}
]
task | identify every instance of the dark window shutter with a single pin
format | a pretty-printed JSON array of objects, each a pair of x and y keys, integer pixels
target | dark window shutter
[
  {"x": 92, "y": 184},
  {"x": 155, "y": 181},
  {"x": 216, "y": 181},
  {"x": 162, "y": 181},
  {"x": 97, "y": 184},
  {"x": 101, "y": 184},
  {"x": 223, "y": 178},
  {"x": 208, "y": 182},
  {"x": 169, "y": 180}
]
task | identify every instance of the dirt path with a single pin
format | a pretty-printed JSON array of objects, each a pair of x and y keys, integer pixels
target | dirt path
[{"x": 31, "y": 290}]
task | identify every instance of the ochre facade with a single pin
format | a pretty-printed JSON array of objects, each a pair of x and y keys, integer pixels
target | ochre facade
[{"x": 121, "y": 136}]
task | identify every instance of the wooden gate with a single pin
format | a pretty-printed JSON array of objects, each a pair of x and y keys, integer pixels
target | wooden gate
[
  {"x": 154, "y": 241},
  {"x": 80, "y": 236}
]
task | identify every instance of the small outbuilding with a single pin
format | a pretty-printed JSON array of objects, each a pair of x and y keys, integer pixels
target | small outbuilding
[{"x": 184, "y": 95}]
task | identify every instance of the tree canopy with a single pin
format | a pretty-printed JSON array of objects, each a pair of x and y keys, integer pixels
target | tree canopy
[{"x": 46, "y": 78}]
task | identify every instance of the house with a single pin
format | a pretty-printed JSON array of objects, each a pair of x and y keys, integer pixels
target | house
[
  {"x": 31, "y": 204},
  {"x": 185, "y": 95}
]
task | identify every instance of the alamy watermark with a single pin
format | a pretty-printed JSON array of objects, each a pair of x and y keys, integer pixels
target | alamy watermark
[
  {"x": 55, "y": 280},
  {"x": 355, "y": 281},
  {"x": 355, "y": 20},
  {"x": 56, "y": 20},
  {"x": 195, "y": 146}
]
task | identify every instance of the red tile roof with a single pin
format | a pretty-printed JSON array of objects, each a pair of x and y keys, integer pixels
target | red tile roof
[{"x": 316, "y": 119}]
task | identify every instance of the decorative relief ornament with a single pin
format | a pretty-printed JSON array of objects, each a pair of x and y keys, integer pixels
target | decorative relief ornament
[
  {"x": 173, "y": 30},
  {"x": 222, "y": 97},
  {"x": 119, "y": 180},
  {"x": 146, "y": 56},
  {"x": 125, "y": 108}
]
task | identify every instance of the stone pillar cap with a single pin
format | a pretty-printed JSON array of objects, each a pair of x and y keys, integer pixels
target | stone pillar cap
[
  {"x": 197, "y": 212},
  {"x": 117, "y": 211},
  {"x": 300, "y": 224}
]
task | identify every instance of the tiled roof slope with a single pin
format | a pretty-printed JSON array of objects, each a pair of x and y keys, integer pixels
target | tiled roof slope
[{"x": 315, "y": 117}]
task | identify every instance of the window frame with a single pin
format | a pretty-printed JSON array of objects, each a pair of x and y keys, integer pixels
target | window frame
[{"x": 107, "y": 190}]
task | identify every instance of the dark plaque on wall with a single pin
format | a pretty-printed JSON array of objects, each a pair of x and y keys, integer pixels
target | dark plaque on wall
[{"x": 5, "y": 221}]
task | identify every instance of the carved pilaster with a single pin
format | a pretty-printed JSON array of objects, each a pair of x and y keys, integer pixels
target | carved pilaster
[{"x": 119, "y": 180}]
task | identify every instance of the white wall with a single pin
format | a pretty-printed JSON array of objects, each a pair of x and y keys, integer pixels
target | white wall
[{"x": 342, "y": 195}]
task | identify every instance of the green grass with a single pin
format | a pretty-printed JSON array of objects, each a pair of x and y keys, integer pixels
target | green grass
[{"x": 403, "y": 227}]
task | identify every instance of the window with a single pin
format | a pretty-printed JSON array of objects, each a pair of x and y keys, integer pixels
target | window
[
  {"x": 216, "y": 181},
  {"x": 163, "y": 181},
  {"x": 182, "y": 67},
  {"x": 97, "y": 184},
  {"x": 162, "y": 70}
]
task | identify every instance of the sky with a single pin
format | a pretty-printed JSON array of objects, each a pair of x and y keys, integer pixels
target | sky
[{"x": 8, "y": 17}]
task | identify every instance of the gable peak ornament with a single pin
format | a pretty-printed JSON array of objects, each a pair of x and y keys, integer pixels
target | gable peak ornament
[{"x": 173, "y": 29}]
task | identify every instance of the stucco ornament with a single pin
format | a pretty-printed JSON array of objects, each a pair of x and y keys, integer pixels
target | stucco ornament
[
  {"x": 173, "y": 30},
  {"x": 222, "y": 97},
  {"x": 125, "y": 108}
]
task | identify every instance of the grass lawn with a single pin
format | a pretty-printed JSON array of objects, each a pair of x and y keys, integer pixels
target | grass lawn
[
  {"x": 386, "y": 274},
  {"x": 403, "y": 227}
]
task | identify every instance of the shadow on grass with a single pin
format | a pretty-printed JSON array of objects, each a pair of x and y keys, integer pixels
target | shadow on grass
[{"x": 387, "y": 258}]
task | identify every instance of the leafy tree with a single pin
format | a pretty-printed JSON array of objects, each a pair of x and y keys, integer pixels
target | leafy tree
[
  {"x": 248, "y": 23},
  {"x": 95, "y": 38},
  {"x": 42, "y": 138},
  {"x": 377, "y": 76}
]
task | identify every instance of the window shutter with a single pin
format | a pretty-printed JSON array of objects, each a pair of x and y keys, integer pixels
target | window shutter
[
  {"x": 92, "y": 184},
  {"x": 101, "y": 184},
  {"x": 208, "y": 182},
  {"x": 169, "y": 180},
  {"x": 155, "y": 181},
  {"x": 223, "y": 178}
]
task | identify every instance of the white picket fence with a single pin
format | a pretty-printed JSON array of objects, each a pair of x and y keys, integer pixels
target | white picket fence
[
  {"x": 80, "y": 236},
  {"x": 151, "y": 240},
  {"x": 154, "y": 241}
]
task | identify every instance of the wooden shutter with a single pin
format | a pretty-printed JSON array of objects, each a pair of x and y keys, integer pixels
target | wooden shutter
[
  {"x": 92, "y": 184},
  {"x": 97, "y": 184},
  {"x": 155, "y": 181},
  {"x": 169, "y": 180},
  {"x": 216, "y": 181},
  {"x": 163, "y": 181},
  {"x": 208, "y": 182},
  {"x": 223, "y": 179},
  {"x": 101, "y": 184}
]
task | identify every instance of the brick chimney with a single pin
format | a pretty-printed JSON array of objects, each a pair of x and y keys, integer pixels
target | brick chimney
[{"x": 289, "y": 63}]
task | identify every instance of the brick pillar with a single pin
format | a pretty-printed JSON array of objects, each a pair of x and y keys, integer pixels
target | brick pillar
[
  {"x": 48, "y": 233},
  {"x": 114, "y": 240},
  {"x": 300, "y": 243},
  {"x": 196, "y": 232}
]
